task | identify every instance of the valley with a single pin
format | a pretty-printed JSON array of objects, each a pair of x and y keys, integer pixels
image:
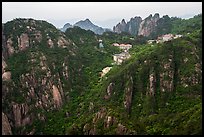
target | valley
[{"x": 142, "y": 78}]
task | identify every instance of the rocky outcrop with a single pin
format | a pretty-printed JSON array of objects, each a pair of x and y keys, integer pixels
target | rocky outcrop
[
  {"x": 109, "y": 91},
  {"x": 148, "y": 25},
  {"x": 137, "y": 26},
  {"x": 50, "y": 43},
  {"x": 9, "y": 47},
  {"x": 20, "y": 112},
  {"x": 133, "y": 25},
  {"x": 120, "y": 27},
  {"x": 167, "y": 76},
  {"x": 6, "y": 128},
  {"x": 62, "y": 42},
  {"x": 4, "y": 47},
  {"x": 4, "y": 65},
  {"x": 28, "y": 92},
  {"x": 128, "y": 95},
  {"x": 130, "y": 27},
  {"x": 57, "y": 97},
  {"x": 23, "y": 41},
  {"x": 6, "y": 76},
  {"x": 152, "y": 84}
]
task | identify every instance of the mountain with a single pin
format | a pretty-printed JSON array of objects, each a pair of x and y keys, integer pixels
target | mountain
[
  {"x": 36, "y": 72},
  {"x": 137, "y": 26},
  {"x": 66, "y": 26},
  {"x": 154, "y": 26},
  {"x": 131, "y": 27},
  {"x": 87, "y": 25},
  {"x": 157, "y": 91},
  {"x": 148, "y": 25},
  {"x": 52, "y": 81}
]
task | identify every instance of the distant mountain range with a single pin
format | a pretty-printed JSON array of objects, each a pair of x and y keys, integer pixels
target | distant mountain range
[
  {"x": 151, "y": 26},
  {"x": 87, "y": 25}
]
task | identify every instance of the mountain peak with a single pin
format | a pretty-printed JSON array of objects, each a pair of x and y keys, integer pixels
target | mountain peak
[
  {"x": 87, "y": 20},
  {"x": 123, "y": 21},
  {"x": 156, "y": 15}
]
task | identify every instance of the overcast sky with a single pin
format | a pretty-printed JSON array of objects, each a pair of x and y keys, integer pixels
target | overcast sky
[{"x": 104, "y": 14}]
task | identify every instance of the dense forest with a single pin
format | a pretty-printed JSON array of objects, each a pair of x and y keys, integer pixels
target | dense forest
[{"x": 157, "y": 91}]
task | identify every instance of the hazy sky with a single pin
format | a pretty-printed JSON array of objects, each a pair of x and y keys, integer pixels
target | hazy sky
[{"x": 104, "y": 14}]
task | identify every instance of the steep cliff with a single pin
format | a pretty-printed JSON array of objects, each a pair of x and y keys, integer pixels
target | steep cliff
[
  {"x": 148, "y": 25},
  {"x": 137, "y": 26},
  {"x": 154, "y": 26},
  {"x": 159, "y": 83},
  {"x": 120, "y": 27},
  {"x": 35, "y": 71},
  {"x": 51, "y": 83}
]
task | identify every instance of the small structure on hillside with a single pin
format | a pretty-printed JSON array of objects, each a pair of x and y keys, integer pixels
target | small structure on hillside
[
  {"x": 151, "y": 41},
  {"x": 178, "y": 36},
  {"x": 123, "y": 46},
  {"x": 100, "y": 43},
  {"x": 167, "y": 37},
  {"x": 119, "y": 58}
]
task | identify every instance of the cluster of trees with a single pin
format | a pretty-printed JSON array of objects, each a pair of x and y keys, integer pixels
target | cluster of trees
[{"x": 178, "y": 112}]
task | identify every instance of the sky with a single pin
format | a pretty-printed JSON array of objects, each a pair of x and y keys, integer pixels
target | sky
[{"x": 103, "y": 14}]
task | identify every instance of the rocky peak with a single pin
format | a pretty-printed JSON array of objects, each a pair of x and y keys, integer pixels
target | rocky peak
[
  {"x": 137, "y": 26},
  {"x": 88, "y": 25},
  {"x": 87, "y": 20},
  {"x": 149, "y": 17},
  {"x": 120, "y": 27},
  {"x": 156, "y": 15},
  {"x": 66, "y": 26},
  {"x": 148, "y": 25},
  {"x": 123, "y": 21}
]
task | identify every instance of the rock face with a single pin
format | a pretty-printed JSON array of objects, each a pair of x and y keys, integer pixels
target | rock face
[
  {"x": 131, "y": 27},
  {"x": 4, "y": 47},
  {"x": 120, "y": 27},
  {"x": 109, "y": 91},
  {"x": 6, "y": 128},
  {"x": 9, "y": 47},
  {"x": 152, "y": 83},
  {"x": 57, "y": 97},
  {"x": 20, "y": 115},
  {"x": 128, "y": 95},
  {"x": 26, "y": 93},
  {"x": 6, "y": 76},
  {"x": 23, "y": 41},
  {"x": 107, "y": 120},
  {"x": 148, "y": 25},
  {"x": 137, "y": 26}
]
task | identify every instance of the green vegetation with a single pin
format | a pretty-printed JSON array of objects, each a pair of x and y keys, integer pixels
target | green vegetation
[{"x": 173, "y": 109}]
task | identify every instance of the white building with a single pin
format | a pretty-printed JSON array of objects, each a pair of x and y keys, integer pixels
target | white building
[
  {"x": 167, "y": 37},
  {"x": 122, "y": 46},
  {"x": 150, "y": 41},
  {"x": 100, "y": 40},
  {"x": 119, "y": 58},
  {"x": 178, "y": 36}
]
